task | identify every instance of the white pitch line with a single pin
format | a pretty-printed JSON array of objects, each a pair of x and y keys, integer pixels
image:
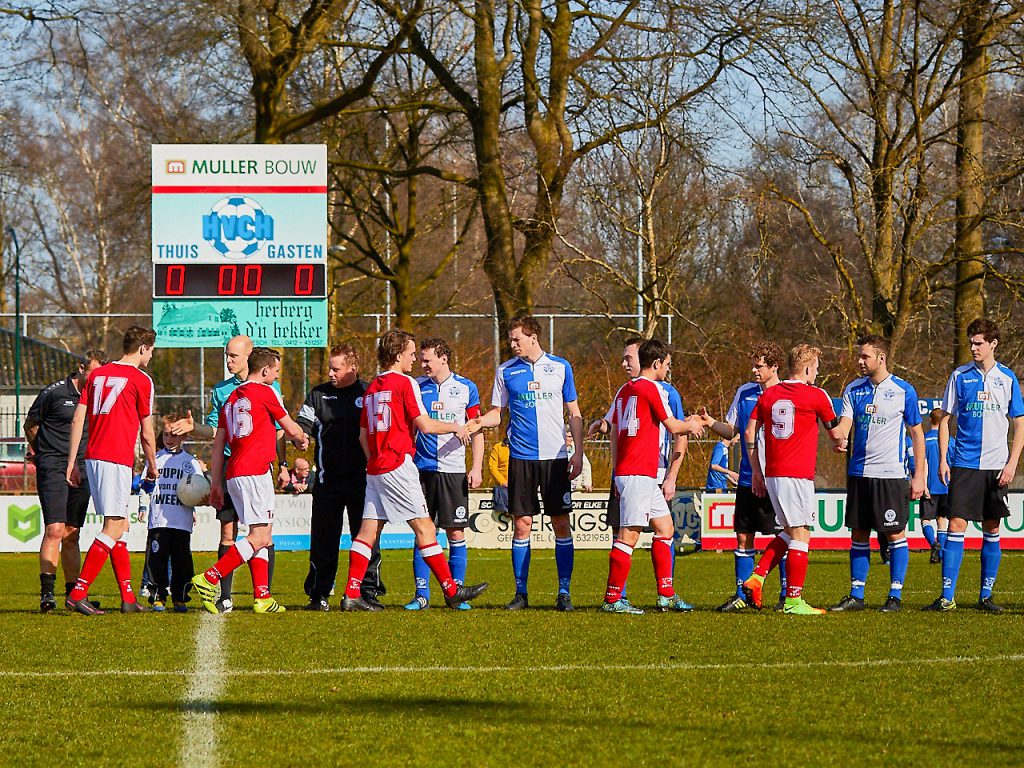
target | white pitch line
[
  {"x": 219, "y": 672},
  {"x": 199, "y": 736}
]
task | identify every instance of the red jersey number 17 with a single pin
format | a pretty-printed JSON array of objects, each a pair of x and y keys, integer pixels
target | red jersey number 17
[{"x": 114, "y": 385}]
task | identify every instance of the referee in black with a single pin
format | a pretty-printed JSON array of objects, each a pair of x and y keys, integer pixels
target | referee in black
[
  {"x": 330, "y": 416},
  {"x": 48, "y": 432}
]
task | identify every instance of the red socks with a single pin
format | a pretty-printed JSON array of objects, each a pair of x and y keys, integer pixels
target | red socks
[
  {"x": 773, "y": 554},
  {"x": 94, "y": 560},
  {"x": 358, "y": 562},
  {"x": 661, "y": 557},
  {"x": 796, "y": 568},
  {"x": 122, "y": 565},
  {"x": 619, "y": 561},
  {"x": 241, "y": 552},
  {"x": 259, "y": 567},
  {"x": 433, "y": 556}
]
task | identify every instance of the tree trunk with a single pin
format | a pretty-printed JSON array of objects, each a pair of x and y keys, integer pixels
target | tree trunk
[
  {"x": 969, "y": 299},
  {"x": 500, "y": 258}
]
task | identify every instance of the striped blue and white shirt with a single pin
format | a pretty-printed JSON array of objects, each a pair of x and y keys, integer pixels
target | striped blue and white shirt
[
  {"x": 453, "y": 401},
  {"x": 739, "y": 416},
  {"x": 535, "y": 395},
  {"x": 881, "y": 414},
  {"x": 983, "y": 404}
]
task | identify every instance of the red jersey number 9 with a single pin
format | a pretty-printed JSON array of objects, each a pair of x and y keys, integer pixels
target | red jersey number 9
[{"x": 782, "y": 419}]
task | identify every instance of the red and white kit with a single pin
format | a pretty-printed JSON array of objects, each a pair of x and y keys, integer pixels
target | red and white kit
[
  {"x": 250, "y": 416},
  {"x": 790, "y": 412},
  {"x": 390, "y": 407},
  {"x": 638, "y": 413},
  {"x": 118, "y": 397}
]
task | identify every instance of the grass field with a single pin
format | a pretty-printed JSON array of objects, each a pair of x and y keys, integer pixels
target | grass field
[{"x": 488, "y": 687}]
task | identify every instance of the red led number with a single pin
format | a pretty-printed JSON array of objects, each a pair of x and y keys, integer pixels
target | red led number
[
  {"x": 252, "y": 279},
  {"x": 304, "y": 280},
  {"x": 227, "y": 279},
  {"x": 175, "y": 280}
]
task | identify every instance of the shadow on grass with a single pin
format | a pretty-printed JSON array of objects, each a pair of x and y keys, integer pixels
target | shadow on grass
[{"x": 439, "y": 707}]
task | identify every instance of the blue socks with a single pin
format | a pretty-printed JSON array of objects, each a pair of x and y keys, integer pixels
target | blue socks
[
  {"x": 564, "y": 556},
  {"x": 458, "y": 560},
  {"x": 991, "y": 554},
  {"x": 421, "y": 572},
  {"x": 860, "y": 563},
  {"x": 743, "y": 561},
  {"x": 952, "y": 556},
  {"x": 783, "y": 581},
  {"x": 940, "y": 539},
  {"x": 928, "y": 529},
  {"x": 521, "y": 564},
  {"x": 899, "y": 559}
]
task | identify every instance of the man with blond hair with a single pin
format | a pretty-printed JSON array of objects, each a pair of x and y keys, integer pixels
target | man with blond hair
[{"x": 790, "y": 412}]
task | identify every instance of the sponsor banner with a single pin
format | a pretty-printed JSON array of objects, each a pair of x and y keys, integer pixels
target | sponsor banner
[
  {"x": 212, "y": 322},
  {"x": 716, "y": 511},
  {"x": 21, "y": 526},
  {"x": 237, "y": 202}
]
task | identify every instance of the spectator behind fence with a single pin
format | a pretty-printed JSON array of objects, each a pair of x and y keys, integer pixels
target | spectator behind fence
[{"x": 299, "y": 480}]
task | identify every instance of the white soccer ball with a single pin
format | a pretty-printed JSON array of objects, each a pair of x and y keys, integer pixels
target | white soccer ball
[
  {"x": 239, "y": 226},
  {"x": 193, "y": 490}
]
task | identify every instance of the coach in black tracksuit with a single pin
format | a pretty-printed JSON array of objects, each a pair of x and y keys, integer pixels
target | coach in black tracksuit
[{"x": 330, "y": 416}]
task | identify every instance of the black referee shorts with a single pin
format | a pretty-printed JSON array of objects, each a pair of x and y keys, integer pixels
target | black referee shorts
[
  {"x": 59, "y": 501},
  {"x": 547, "y": 477}
]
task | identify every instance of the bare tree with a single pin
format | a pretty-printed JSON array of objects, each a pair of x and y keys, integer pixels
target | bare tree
[{"x": 542, "y": 69}]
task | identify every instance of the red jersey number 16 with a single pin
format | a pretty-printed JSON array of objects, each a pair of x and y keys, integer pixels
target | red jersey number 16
[{"x": 239, "y": 418}]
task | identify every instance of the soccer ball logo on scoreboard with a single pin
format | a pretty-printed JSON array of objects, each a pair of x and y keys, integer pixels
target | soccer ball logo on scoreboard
[{"x": 237, "y": 227}]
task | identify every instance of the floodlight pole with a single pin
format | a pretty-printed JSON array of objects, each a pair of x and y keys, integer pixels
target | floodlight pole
[{"x": 17, "y": 327}]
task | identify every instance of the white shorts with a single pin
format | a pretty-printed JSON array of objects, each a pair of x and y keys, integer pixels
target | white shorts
[
  {"x": 253, "y": 497},
  {"x": 640, "y": 500},
  {"x": 110, "y": 486},
  {"x": 794, "y": 500},
  {"x": 395, "y": 496}
]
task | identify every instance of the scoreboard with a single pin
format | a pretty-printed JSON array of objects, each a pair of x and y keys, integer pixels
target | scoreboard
[{"x": 240, "y": 244}]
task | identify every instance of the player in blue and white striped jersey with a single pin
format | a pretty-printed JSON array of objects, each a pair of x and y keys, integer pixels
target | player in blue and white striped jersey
[
  {"x": 879, "y": 411},
  {"x": 752, "y": 514},
  {"x": 984, "y": 396},
  {"x": 441, "y": 460},
  {"x": 537, "y": 388}
]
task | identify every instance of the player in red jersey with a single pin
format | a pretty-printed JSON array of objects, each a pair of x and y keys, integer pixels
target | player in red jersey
[
  {"x": 392, "y": 412},
  {"x": 118, "y": 401},
  {"x": 247, "y": 426},
  {"x": 640, "y": 407},
  {"x": 791, "y": 411}
]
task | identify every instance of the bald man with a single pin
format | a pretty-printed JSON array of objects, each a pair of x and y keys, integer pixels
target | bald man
[{"x": 236, "y": 360}]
